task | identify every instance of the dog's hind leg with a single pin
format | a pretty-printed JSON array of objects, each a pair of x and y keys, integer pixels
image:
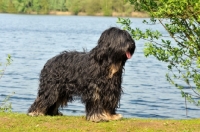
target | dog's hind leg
[
  {"x": 53, "y": 110},
  {"x": 62, "y": 101},
  {"x": 36, "y": 110},
  {"x": 44, "y": 104}
]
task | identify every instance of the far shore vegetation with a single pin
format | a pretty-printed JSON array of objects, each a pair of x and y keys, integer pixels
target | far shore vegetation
[{"x": 71, "y": 7}]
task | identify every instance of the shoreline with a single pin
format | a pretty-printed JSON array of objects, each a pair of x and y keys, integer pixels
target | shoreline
[
  {"x": 114, "y": 14},
  {"x": 67, "y": 13}
]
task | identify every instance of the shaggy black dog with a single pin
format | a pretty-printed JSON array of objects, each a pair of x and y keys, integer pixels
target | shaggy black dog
[{"x": 95, "y": 76}]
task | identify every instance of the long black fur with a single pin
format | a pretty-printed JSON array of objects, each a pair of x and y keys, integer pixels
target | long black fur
[{"x": 95, "y": 76}]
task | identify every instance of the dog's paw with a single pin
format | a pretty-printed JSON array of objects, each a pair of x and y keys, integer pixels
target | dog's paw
[
  {"x": 116, "y": 117},
  {"x": 35, "y": 114},
  {"x": 104, "y": 117},
  {"x": 97, "y": 118}
]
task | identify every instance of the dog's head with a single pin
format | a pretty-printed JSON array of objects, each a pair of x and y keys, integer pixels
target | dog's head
[{"x": 114, "y": 45}]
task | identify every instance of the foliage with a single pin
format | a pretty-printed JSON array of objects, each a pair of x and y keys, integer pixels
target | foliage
[
  {"x": 16, "y": 122},
  {"x": 5, "y": 106},
  {"x": 181, "y": 48},
  {"x": 90, "y": 7},
  {"x": 74, "y": 6},
  {"x": 107, "y": 7},
  {"x": 8, "y": 62},
  {"x": 44, "y": 7}
]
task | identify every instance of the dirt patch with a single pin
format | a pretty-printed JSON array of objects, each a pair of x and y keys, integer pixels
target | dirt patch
[
  {"x": 133, "y": 14},
  {"x": 60, "y": 13},
  {"x": 4, "y": 119},
  {"x": 139, "y": 14}
]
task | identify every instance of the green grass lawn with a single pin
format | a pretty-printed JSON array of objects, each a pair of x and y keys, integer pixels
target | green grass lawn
[{"x": 15, "y": 122}]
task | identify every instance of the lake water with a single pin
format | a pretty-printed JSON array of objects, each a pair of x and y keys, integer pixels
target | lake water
[{"x": 33, "y": 39}]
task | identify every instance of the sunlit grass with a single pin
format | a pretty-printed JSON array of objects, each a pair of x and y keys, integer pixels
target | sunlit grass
[{"x": 22, "y": 122}]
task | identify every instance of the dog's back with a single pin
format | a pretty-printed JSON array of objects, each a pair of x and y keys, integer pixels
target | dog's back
[{"x": 67, "y": 65}]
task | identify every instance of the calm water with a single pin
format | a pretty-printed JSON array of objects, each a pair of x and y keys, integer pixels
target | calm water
[{"x": 32, "y": 40}]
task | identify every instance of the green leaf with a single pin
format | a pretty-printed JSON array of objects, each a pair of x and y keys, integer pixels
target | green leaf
[{"x": 180, "y": 47}]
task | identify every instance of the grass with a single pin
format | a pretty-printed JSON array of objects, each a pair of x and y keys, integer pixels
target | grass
[{"x": 16, "y": 122}]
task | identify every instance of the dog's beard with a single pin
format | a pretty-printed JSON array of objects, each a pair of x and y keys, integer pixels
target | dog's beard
[{"x": 128, "y": 54}]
